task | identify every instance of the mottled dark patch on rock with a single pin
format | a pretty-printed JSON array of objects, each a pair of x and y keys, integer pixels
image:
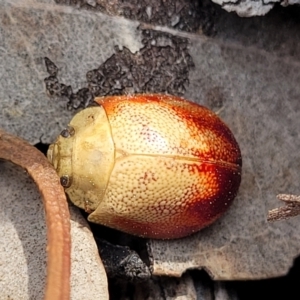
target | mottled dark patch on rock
[
  {"x": 161, "y": 66},
  {"x": 215, "y": 97}
]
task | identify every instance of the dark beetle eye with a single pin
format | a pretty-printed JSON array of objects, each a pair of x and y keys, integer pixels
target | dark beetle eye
[
  {"x": 65, "y": 181},
  {"x": 67, "y": 132}
]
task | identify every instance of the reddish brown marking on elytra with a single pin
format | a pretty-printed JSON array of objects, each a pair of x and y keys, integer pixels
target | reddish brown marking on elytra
[
  {"x": 197, "y": 145},
  {"x": 198, "y": 118}
]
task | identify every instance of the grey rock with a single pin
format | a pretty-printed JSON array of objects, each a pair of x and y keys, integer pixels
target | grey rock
[
  {"x": 253, "y": 86},
  {"x": 23, "y": 244}
]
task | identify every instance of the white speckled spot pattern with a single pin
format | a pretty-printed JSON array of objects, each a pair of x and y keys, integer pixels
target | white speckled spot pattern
[{"x": 165, "y": 128}]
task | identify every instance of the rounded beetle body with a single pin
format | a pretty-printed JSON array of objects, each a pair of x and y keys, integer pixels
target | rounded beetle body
[{"x": 155, "y": 166}]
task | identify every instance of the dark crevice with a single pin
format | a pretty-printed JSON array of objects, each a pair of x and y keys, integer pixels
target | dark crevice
[
  {"x": 42, "y": 147},
  {"x": 285, "y": 287}
]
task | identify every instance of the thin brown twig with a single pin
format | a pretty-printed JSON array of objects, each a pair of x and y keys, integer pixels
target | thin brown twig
[
  {"x": 28, "y": 157},
  {"x": 291, "y": 209}
]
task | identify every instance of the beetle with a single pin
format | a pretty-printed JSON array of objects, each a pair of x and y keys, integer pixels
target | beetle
[{"x": 151, "y": 165}]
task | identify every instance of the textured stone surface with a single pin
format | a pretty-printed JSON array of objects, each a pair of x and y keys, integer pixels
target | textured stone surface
[
  {"x": 73, "y": 38},
  {"x": 23, "y": 244},
  {"x": 162, "y": 65},
  {"x": 257, "y": 97},
  {"x": 251, "y": 8}
]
